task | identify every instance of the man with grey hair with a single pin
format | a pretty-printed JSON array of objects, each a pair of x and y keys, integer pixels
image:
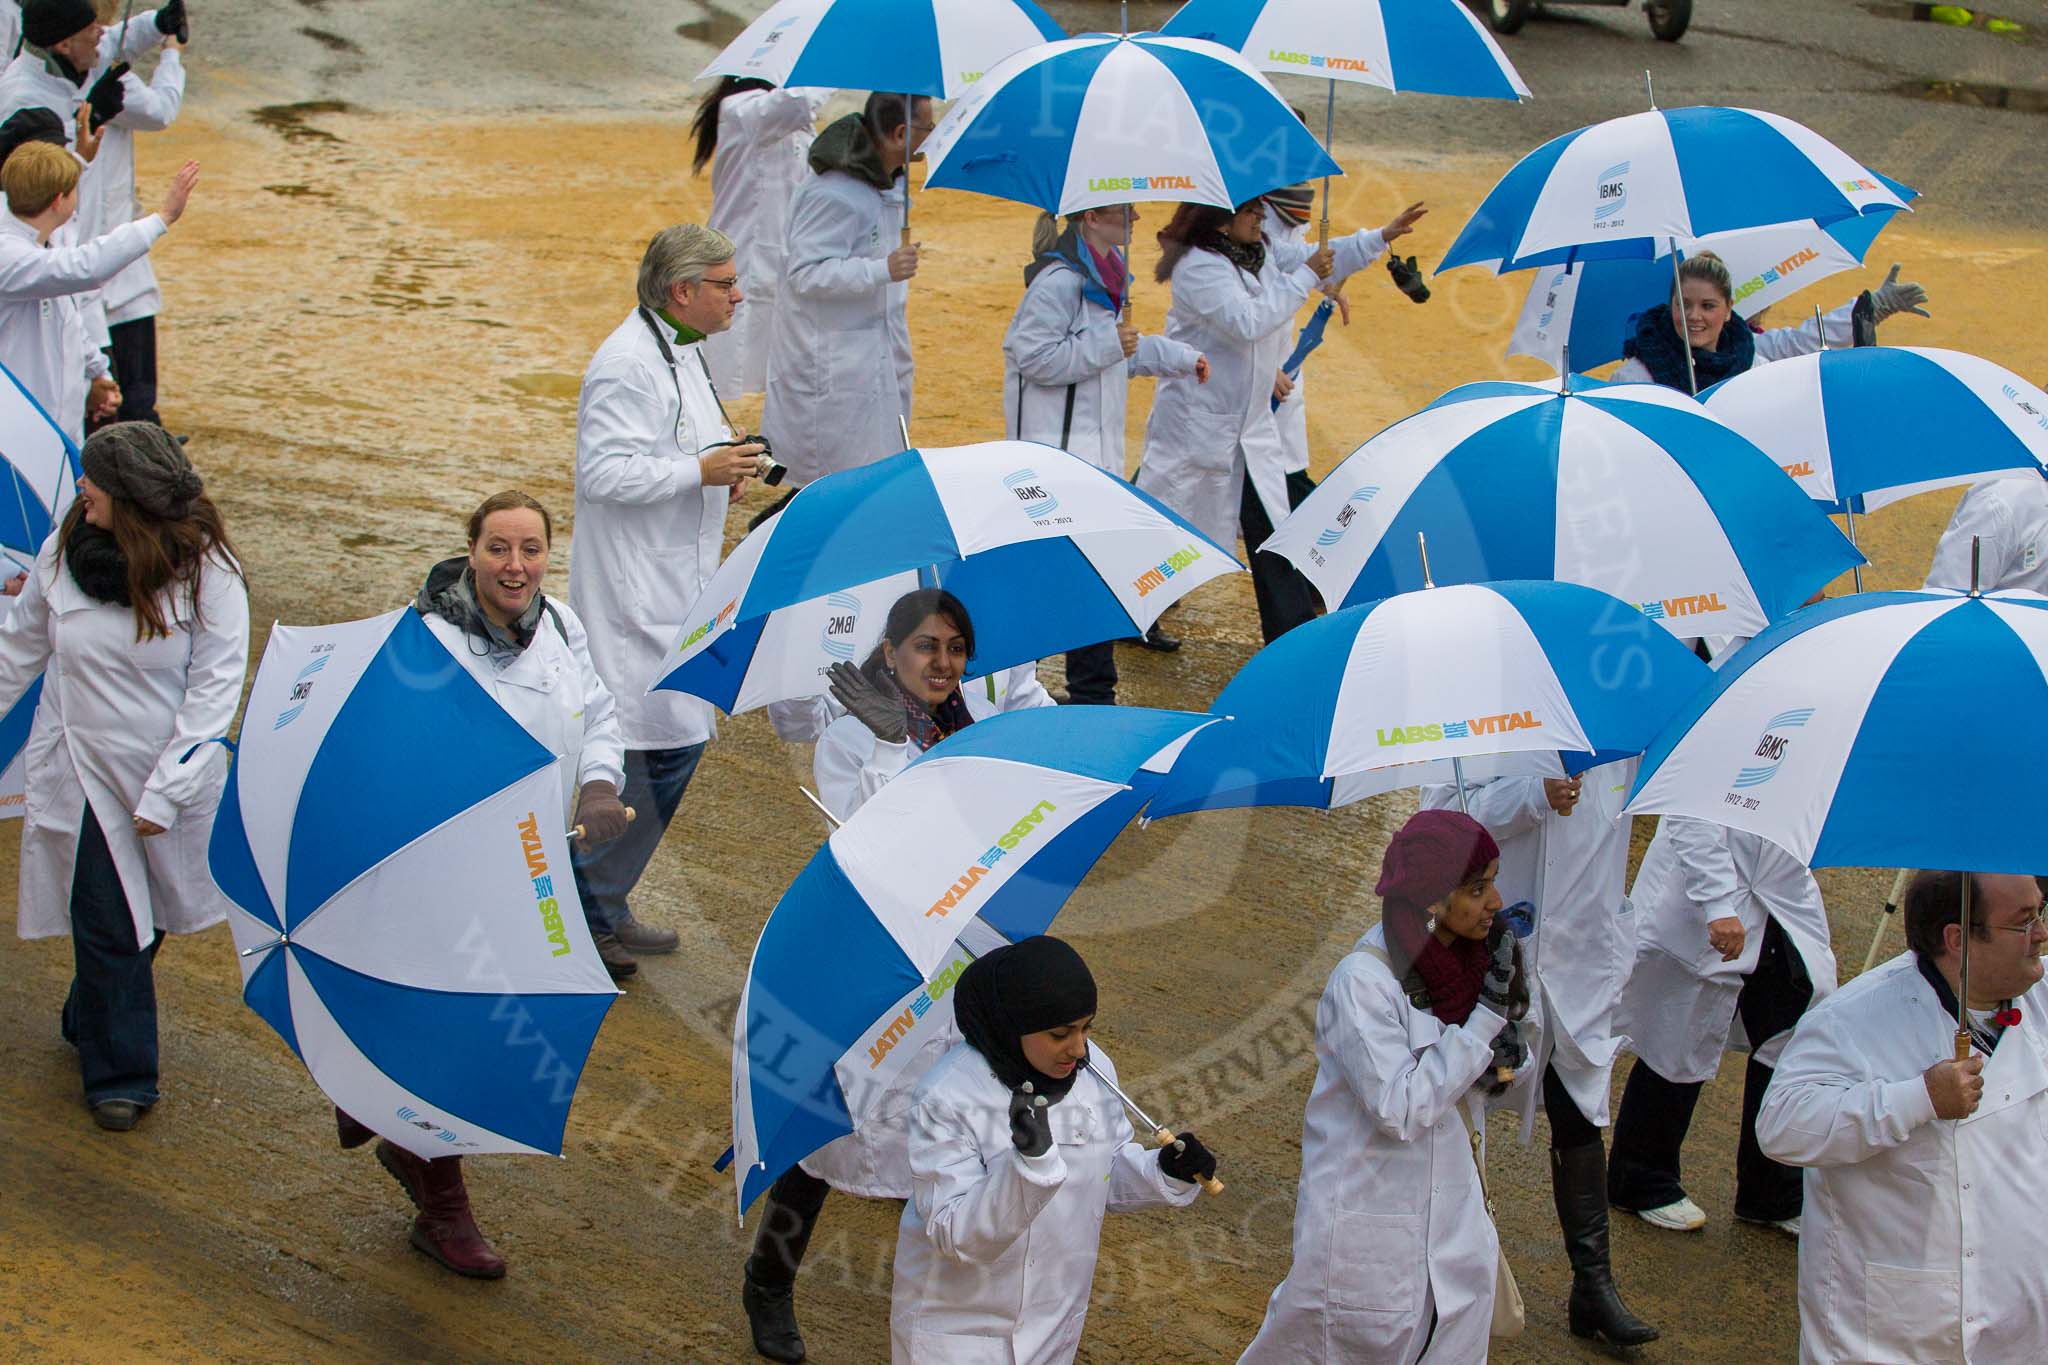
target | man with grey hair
[{"x": 655, "y": 467}]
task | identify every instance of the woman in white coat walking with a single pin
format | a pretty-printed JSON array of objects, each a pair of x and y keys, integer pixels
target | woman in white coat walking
[
  {"x": 137, "y": 617},
  {"x": 761, "y": 136},
  {"x": 1213, "y": 451},
  {"x": 1015, "y": 1155},
  {"x": 907, "y": 696},
  {"x": 1564, "y": 850},
  {"x": 533, "y": 657},
  {"x": 1924, "y": 1173},
  {"x": 1395, "y": 1256},
  {"x": 1702, "y": 308}
]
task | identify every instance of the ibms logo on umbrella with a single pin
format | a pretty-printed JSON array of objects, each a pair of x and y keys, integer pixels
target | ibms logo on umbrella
[
  {"x": 302, "y": 687},
  {"x": 2013, "y": 396},
  {"x": 549, "y": 905},
  {"x": 1341, "y": 523},
  {"x": 1319, "y": 62},
  {"x": 1611, "y": 196},
  {"x": 1141, "y": 182},
  {"x": 842, "y": 619},
  {"x": 1038, "y": 501},
  {"x": 1771, "y": 748},
  {"x": 1505, "y": 723},
  {"x": 898, "y": 1028}
]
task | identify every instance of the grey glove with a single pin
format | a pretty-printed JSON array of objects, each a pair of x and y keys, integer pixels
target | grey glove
[
  {"x": 1030, "y": 1124},
  {"x": 1500, "y": 976},
  {"x": 868, "y": 704},
  {"x": 1508, "y": 1055},
  {"x": 1893, "y": 297}
]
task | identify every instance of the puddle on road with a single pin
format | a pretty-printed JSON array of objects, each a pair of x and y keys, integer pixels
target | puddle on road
[
  {"x": 718, "y": 27},
  {"x": 333, "y": 42},
  {"x": 1972, "y": 95},
  {"x": 299, "y": 192},
  {"x": 288, "y": 121}
]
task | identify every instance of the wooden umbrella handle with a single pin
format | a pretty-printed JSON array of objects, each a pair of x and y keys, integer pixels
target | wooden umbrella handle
[
  {"x": 577, "y": 832},
  {"x": 1963, "y": 1044},
  {"x": 1208, "y": 1182}
]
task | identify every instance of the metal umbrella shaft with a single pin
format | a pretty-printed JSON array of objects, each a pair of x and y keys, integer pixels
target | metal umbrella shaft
[
  {"x": 1160, "y": 1133},
  {"x": 1963, "y": 982}
]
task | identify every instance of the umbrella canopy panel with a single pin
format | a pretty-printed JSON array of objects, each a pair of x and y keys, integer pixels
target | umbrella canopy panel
[
  {"x": 1430, "y": 47},
  {"x": 917, "y": 47}
]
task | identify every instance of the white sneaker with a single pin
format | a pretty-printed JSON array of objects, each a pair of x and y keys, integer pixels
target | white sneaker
[
  {"x": 1785, "y": 1225},
  {"x": 1683, "y": 1216}
]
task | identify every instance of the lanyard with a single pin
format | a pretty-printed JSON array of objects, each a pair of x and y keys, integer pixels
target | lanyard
[{"x": 668, "y": 354}]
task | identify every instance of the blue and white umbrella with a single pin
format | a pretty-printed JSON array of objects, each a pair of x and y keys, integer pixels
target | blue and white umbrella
[
  {"x": 1629, "y": 488},
  {"x": 40, "y": 466},
  {"x": 1471, "y": 681},
  {"x": 1100, "y": 119},
  {"x": 1888, "y": 729},
  {"x": 1588, "y": 306},
  {"x": 1633, "y": 186},
  {"x": 1431, "y": 47},
  {"x": 916, "y": 47},
  {"x": 392, "y": 844},
  {"x": 1866, "y": 426},
  {"x": 977, "y": 843},
  {"x": 1046, "y": 551}
]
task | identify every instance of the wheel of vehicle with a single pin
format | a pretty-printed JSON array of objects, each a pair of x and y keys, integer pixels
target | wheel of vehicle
[
  {"x": 1668, "y": 18},
  {"x": 1508, "y": 16}
]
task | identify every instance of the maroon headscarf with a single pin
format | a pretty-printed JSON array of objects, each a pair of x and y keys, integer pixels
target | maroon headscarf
[{"x": 1434, "y": 854}]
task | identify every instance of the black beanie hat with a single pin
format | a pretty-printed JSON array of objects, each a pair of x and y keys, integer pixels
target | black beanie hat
[
  {"x": 34, "y": 124},
  {"x": 44, "y": 22}
]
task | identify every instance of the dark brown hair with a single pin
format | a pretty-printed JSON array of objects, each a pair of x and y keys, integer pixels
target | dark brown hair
[
  {"x": 1934, "y": 900},
  {"x": 510, "y": 500},
  {"x": 1191, "y": 225},
  {"x": 909, "y": 613},
  {"x": 705, "y": 125},
  {"x": 161, "y": 554}
]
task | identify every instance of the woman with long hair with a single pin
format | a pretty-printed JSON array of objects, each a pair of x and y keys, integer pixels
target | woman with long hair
[
  {"x": 757, "y": 140},
  {"x": 137, "y": 617},
  {"x": 1701, "y": 312},
  {"x": 1015, "y": 1155},
  {"x": 1395, "y": 1255},
  {"x": 908, "y": 694},
  {"x": 1213, "y": 451}
]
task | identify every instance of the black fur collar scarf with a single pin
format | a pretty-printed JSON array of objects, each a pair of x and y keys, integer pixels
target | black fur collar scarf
[{"x": 97, "y": 565}]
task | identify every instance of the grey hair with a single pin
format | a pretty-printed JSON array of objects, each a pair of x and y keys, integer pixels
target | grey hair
[{"x": 679, "y": 255}]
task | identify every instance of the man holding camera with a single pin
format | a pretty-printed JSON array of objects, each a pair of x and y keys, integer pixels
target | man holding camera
[{"x": 656, "y": 464}]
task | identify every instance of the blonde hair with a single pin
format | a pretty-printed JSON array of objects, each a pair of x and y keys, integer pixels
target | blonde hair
[
  {"x": 35, "y": 174},
  {"x": 1705, "y": 265}
]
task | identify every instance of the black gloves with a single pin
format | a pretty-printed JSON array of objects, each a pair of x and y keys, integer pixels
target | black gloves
[
  {"x": 599, "y": 813},
  {"x": 106, "y": 96},
  {"x": 1500, "y": 976},
  {"x": 1863, "y": 320},
  {"x": 1030, "y": 1124},
  {"x": 868, "y": 704},
  {"x": 173, "y": 22},
  {"x": 1407, "y": 278},
  {"x": 1186, "y": 1159}
]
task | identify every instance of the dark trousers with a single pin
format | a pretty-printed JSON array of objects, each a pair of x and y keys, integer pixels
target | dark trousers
[
  {"x": 1569, "y": 1128},
  {"x": 607, "y": 874},
  {"x": 133, "y": 353},
  {"x": 110, "y": 1013},
  {"x": 1643, "y": 1168},
  {"x": 1091, "y": 675},
  {"x": 1286, "y": 599}
]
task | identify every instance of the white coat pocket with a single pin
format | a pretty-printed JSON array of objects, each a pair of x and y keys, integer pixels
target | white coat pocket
[
  {"x": 1377, "y": 1261},
  {"x": 1910, "y": 1313},
  {"x": 951, "y": 1348}
]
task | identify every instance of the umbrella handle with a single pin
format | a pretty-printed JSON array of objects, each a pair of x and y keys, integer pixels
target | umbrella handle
[
  {"x": 631, "y": 815},
  {"x": 1208, "y": 1182},
  {"x": 1962, "y": 1045}
]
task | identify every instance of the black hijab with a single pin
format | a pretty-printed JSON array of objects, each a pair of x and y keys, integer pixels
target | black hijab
[{"x": 1025, "y": 987}]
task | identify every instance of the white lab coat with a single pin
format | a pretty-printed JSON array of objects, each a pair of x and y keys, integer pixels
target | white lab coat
[
  {"x": 1066, "y": 381},
  {"x": 2009, "y": 517},
  {"x": 1203, "y": 440},
  {"x": 115, "y": 720},
  {"x": 148, "y": 108},
  {"x": 995, "y": 1254},
  {"x": 10, "y": 28},
  {"x": 648, "y": 532},
  {"x": 552, "y": 689},
  {"x": 1574, "y": 870},
  {"x": 1389, "y": 1223},
  {"x": 44, "y": 339},
  {"x": 1291, "y": 417},
  {"x": 1923, "y": 1238},
  {"x": 1678, "y": 1009},
  {"x": 31, "y": 81},
  {"x": 1775, "y": 343},
  {"x": 839, "y": 368},
  {"x": 850, "y": 765},
  {"x": 764, "y": 142}
]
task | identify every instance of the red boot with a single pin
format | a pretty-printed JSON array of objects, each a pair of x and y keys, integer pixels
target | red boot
[{"x": 445, "y": 1229}]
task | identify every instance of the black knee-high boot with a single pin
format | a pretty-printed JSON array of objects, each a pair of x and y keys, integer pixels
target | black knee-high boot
[
  {"x": 768, "y": 1292},
  {"x": 1578, "y": 1182}
]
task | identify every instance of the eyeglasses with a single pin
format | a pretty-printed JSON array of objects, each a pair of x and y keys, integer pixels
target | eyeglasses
[
  {"x": 728, "y": 284},
  {"x": 2034, "y": 921}
]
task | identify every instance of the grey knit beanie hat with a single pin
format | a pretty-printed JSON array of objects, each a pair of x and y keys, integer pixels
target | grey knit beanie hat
[{"x": 139, "y": 461}]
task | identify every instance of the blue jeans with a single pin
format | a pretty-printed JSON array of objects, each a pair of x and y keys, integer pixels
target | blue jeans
[
  {"x": 110, "y": 1013},
  {"x": 607, "y": 874}
]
